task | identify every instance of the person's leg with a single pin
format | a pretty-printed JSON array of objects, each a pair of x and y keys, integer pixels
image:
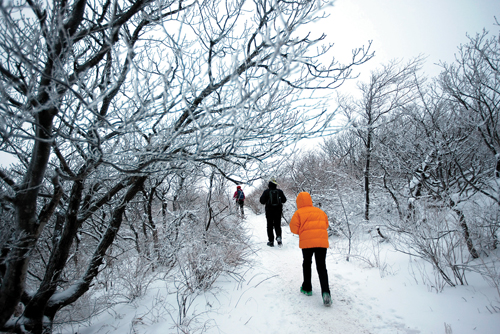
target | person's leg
[
  {"x": 242, "y": 203},
  {"x": 320, "y": 258},
  {"x": 307, "y": 254},
  {"x": 270, "y": 233},
  {"x": 277, "y": 225}
]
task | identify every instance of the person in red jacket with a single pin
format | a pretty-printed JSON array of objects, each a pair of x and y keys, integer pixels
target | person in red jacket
[
  {"x": 311, "y": 224},
  {"x": 239, "y": 196}
]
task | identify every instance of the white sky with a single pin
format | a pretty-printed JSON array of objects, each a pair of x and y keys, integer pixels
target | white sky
[
  {"x": 403, "y": 29},
  {"x": 407, "y": 28}
]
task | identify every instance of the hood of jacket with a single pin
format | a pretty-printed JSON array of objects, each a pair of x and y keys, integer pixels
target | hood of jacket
[{"x": 303, "y": 200}]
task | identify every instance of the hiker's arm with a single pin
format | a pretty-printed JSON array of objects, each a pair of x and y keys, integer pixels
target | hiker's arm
[
  {"x": 283, "y": 197},
  {"x": 295, "y": 223},
  {"x": 263, "y": 198}
]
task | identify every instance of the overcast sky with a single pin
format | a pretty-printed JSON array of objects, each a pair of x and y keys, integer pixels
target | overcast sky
[
  {"x": 407, "y": 28},
  {"x": 404, "y": 29}
]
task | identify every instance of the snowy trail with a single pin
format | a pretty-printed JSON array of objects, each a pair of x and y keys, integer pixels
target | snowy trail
[{"x": 270, "y": 302}]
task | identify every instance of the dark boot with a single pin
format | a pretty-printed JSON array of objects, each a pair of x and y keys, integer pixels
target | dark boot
[{"x": 327, "y": 299}]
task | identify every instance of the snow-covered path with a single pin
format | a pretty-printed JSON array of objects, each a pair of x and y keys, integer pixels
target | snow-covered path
[{"x": 270, "y": 301}]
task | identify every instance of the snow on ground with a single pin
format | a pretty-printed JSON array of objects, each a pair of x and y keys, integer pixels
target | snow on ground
[{"x": 384, "y": 300}]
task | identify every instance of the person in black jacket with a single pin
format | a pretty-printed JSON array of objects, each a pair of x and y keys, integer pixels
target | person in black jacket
[{"x": 273, "y": 198}]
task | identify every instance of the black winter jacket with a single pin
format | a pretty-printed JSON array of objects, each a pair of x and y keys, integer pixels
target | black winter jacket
[{"x": 272, "y": 210}]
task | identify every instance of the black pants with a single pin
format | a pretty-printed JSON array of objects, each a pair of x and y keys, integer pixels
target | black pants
[
  {"x": 319, "y": 257},
  {"x": 241, "y": 203},
  {"x": 273, "y": 224}
]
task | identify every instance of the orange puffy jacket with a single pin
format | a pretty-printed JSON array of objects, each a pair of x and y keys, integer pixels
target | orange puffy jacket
[{"x": 310, "y": 223}]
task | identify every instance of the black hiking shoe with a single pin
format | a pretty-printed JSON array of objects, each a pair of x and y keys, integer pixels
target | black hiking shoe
[
  {"x": 278, "y": 239},
  {"x": 327, "y": 299},
  {"x": 270, "y": 244},
  {"x": 307, "y": 293}
]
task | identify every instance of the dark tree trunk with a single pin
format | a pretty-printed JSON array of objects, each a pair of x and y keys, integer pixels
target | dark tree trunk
[
  {"x": 497, "y": 168},
  {"x": 29, "y": 225},
  {"x": 81, "y": 286},
  {"x": 367, "y": 174},
  {"x": 465, "y": 229}
]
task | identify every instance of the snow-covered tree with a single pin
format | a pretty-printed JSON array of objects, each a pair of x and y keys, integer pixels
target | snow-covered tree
[
  {"x": 100, "y": 101},
  {"x": 387, "y": 91},
  {"x": 472, "y": 82}
]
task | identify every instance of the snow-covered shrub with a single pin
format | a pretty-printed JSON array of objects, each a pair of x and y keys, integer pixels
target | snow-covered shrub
[
  {"x": 434, "y": 234},
  {"x": 203, "y": 236},
  {"x": 205, "y": 254},
  {"x": 489, "y": 268},
  {"x": 252, "y": 199},
  {"x": 484, "y": 218}
]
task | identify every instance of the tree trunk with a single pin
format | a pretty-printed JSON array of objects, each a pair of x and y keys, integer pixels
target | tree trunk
[
  {"x": 28, "y": 224},
  {"x": 65, "y": 231},
  {"x": 465, "y": 229},
  {"x": 367, "y": 174},
  {"x": 497, "y": 168},
  {"x": 82, "y": 285}
]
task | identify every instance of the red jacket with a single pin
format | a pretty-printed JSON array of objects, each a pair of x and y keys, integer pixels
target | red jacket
[
  {"x": 242, "y": 197},
  {"x": 310, "y": 223}
]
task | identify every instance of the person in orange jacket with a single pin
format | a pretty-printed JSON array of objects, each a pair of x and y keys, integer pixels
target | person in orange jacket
[{"x": 311, "y": 224}]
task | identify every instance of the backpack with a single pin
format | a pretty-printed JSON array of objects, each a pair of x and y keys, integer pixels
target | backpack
[
  {"x": 274, "y": 197},
  {"x": 240, "y": 195}
]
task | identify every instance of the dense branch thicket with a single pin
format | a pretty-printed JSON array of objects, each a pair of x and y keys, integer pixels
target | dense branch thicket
[{"x": 108, "y": 105}]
